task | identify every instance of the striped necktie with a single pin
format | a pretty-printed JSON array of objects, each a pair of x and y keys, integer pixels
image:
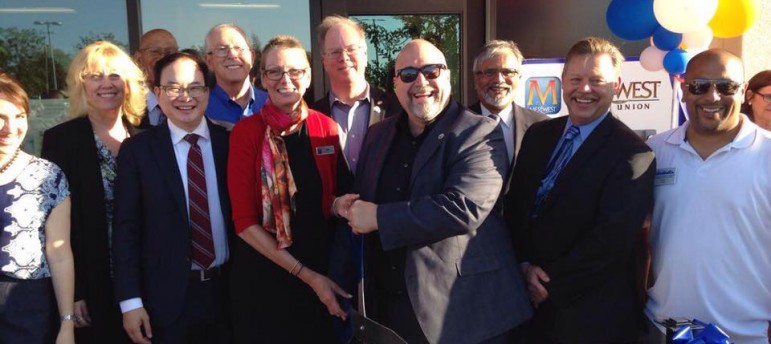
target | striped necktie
[
  {"x": 556, "y": 165},
  {"x": 201, "y": 235}
]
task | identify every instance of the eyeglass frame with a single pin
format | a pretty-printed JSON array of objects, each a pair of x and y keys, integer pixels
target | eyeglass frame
[
  {"x": 349, "y": 50},
  {"x": 421, "y": 70},
  {"x": 717, "y": 83},
  {"x": 182, "y": 90},
  {"x": 766, "y": 97},
  {"x": 288, "y": 72},
  {"x": 223, "y": 50},
  {"x": 493, "y": 72}
]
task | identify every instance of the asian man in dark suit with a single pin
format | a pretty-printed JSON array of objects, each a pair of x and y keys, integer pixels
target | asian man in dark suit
[
  {"x": 581, "y": 188},
  {"x": 496, "y": 78},
  {"x": 172, "y": 217},
  {"x": 438, "y": 263}
]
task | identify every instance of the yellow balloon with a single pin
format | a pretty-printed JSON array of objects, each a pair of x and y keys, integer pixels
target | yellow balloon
[{"x": 733, "y": 17}]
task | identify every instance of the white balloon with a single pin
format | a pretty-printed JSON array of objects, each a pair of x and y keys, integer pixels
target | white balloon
[
  {"x": 652, "y": 59},
  {"x": 698, "y": 40},
  {"x": 684, "y": 15}
]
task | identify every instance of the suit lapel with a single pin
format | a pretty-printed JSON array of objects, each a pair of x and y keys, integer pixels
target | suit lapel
[
  {"x": 163, "y": 153},
  {"x": 435, "y": 137},
  {"x": 376, "y": 109},
  {"x": 378, "y": 155}
]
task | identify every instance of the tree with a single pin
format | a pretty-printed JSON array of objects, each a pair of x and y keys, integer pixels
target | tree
[
  {"x": 24, "y": 54},
  {"x": 92, "y": 37}
]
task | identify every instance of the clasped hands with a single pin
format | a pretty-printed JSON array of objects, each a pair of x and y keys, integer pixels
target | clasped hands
[{"x": 361, "y": 215}]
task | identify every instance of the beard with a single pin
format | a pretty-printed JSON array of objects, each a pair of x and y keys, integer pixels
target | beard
[{"x": 427, "y": 111}]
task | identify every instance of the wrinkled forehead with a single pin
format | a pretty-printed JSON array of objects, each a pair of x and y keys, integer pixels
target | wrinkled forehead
[
  {"x": 419, "y": 53},
  {"x": 715, "y": 67},
  {"x": 227, "y": 36}
]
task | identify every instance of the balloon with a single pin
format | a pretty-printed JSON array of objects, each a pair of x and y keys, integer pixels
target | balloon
[
  {"x": 665, "y": 39},
  {"x": 698, "y": 40},
  {"x": 675, "y": 61},
  {"x": 684, "y": 15},
  {"x": 652, "y": 59},
  {"x": 631, "y": 19},
  {"x": 734, "y": 17}
]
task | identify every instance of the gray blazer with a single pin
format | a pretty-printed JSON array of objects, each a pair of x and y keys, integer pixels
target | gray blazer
[{"x": 461, "y": 274}]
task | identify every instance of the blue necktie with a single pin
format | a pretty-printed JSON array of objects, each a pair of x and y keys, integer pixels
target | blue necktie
[{"x": 556, "y": 165}]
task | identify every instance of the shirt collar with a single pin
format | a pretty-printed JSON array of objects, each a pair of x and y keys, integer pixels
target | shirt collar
[
  {"x": 333, "y": 98},
  {"x": 585, "y": 129},
  {"x": 506, "y": 115},
  {"x": 747, "y": 132},
  {"x": 152, "y": 100},
  {"x": 178, "y": 134}
]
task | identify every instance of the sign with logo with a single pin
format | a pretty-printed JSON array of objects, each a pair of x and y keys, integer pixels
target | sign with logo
[{"x": 643, "y": 102}]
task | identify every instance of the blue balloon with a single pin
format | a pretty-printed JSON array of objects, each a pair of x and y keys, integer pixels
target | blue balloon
[
  {"x": 631, "y": 19},
  {"x": 675, "y": 61},
  {"x": 665, "y": 39}
]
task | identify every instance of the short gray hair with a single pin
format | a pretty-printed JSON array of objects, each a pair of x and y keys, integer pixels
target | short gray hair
[
  {"x": 223, "y": 26},
  {"x": 495, "y": 48}
]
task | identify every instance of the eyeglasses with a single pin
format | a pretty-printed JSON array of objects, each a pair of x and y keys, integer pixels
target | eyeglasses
[
  {"x": 723, "y": 86},
  {"x": 278, "y": 74},
  {"x": 224, "y": 50},
  {"x": 349, "y": 50},
  {"x": 99, "y": 77},
  {"x": 156, "y": 52},
  {"x": 493, "y": 72},
  {"x": 174, "y": 91},
  {"x": 766, "y": 97},
  {"x": 430, "y": 72}
]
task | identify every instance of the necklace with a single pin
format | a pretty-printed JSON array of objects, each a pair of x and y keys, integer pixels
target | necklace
[{"x": 10, "y": 162}]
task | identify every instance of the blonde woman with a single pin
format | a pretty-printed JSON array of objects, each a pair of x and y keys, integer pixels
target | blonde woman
[{"x": 107, "y": 101}]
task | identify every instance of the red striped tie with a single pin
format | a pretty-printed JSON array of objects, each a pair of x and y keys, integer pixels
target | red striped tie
[{"x": 200, "y": 226}]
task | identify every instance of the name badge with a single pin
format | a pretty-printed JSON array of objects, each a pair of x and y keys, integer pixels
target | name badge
[
  {"x": 325, "y": 150},
  {"x": 665, "y": 176}
]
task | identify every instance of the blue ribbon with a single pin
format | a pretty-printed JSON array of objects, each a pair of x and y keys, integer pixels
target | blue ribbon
[{"x": 711, "y": 334}]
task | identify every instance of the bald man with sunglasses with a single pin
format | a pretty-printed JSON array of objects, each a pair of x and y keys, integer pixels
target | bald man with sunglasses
[
  {"x": 710, "y": 234},
  {"x": 438, "y": 263}
]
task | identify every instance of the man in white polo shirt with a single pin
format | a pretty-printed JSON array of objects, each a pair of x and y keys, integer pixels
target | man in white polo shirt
[{"x": 710, "y": 236}]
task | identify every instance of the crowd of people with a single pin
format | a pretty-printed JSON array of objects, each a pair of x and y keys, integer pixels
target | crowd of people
[{"x": 180, "y": 203}]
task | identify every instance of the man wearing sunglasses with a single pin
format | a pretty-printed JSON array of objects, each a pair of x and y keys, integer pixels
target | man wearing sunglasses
[
  {"x": 496, "y": 77},
  {"x": 581, "y": 188},
  {"x": 710, "y": 234},
  {"x": 439, "y": 266},
  {"x": 230, "y": 56},
  {"x": 153, "y": 45}
]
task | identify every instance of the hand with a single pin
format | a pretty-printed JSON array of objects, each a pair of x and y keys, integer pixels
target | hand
[
  {"x": 326, "y": 289},
  {"x": 363, "y": 217},
  {"x": 136, "y": 320},
  {"x": 66, "y": 333},
  {"x": 535, "y": 277},
  {"x": 342, "y": 205},
  {"x": 82, "y": 318}
]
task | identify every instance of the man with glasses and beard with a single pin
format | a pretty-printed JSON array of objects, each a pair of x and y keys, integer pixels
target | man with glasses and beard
[
  {"x": 496, "y": 77},
  {"x": 439, "y": 266},
  {"x": 710, "y": 234}
]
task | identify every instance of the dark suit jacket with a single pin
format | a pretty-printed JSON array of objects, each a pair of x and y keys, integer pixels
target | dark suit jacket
[
  {"x": 72, "y": 147},
  {"x": 151, "y": 240},
  {"x": 387, "y": 105},
  {"x": 587, "y": 231},
  {"x": 460, "y": 273}
]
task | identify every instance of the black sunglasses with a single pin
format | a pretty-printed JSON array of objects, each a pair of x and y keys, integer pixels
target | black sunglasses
[
  {"x": 430, "y": 72},
  {"x": 723, "y": 86}
]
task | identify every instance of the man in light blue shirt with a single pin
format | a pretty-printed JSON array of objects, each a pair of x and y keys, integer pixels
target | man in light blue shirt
[{"x": 230, "y": 56}]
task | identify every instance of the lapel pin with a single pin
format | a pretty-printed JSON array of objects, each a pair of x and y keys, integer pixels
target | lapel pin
[{"x": 441, "y": 136}]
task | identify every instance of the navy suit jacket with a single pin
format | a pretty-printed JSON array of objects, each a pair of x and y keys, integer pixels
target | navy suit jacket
[
  {"x": 461, "y": 274},
  {"x": 151, "y": 235},
  {"x": 588, "y": 233}
]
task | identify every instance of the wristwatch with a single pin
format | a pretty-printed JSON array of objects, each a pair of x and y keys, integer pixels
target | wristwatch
[{"x": 66, "y": 317}]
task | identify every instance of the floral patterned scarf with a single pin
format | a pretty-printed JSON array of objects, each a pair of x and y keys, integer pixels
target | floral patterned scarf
[{"x": 278, "y": 187}]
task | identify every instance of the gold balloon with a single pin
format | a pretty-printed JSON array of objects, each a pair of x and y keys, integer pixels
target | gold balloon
[{"x": 733, "y": 17}]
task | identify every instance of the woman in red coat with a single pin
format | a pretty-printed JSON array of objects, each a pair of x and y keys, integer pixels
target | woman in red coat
[{"x": 282, "y": 177}]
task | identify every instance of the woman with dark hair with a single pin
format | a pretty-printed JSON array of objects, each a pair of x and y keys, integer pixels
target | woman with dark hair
[
  {"x": 757, "y": 99},
  {"x": 36, "y": 267},
  {"x": 283, "y": 173},
  {"x": 107, "y": 100}
]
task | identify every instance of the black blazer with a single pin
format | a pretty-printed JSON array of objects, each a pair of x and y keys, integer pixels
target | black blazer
[
  {"x": 587, "y": 233},
  {"x": 72, "y": 147},
  {"x": 151, "y": 240}
]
